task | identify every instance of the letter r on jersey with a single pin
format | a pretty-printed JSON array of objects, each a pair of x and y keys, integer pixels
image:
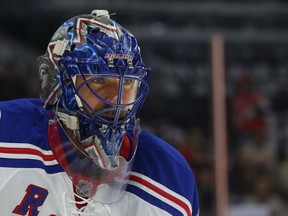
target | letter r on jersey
[{"x": 33, "y": 199}]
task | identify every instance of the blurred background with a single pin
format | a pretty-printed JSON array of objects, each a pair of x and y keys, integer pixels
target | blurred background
[{"x": 175, "y": 37}]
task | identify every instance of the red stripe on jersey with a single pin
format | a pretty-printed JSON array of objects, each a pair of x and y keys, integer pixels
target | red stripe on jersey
[
  {"x": 27, "y": 151},
  {"x": 162, "y": 193}
]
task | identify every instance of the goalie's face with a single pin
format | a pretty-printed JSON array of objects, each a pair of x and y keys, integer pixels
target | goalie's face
[{"x": 100, "y": 93}]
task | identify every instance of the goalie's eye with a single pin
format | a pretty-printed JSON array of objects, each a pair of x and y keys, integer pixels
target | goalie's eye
[
  {"x": 101, "y": 80},
  {"x": 129, "y": 82}
]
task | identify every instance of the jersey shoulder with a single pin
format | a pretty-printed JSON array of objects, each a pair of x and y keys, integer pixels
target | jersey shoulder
[
  {"x": 24, "y": 136},
  {"x": 161, "y": 176},
  {"x": 28, "y": 106},
  {"x": 154, "y": 146},
  {"x": 23, "y": 120}
]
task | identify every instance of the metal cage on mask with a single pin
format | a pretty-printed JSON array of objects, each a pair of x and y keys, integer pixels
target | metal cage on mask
[
  {"x": 109, "y": 130},
  {"x": 73, "y": 101}
]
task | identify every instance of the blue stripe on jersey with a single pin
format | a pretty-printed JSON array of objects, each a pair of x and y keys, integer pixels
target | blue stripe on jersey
[
  {"x": 30, "y": 163},
  {"x": 153, "y": 200}
]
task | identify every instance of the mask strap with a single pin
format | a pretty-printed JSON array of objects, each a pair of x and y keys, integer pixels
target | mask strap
[
  {"x": 78, "y": 100},
  {"x": 71, "y": 122}
]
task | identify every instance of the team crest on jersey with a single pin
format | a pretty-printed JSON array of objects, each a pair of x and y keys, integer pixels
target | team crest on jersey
[
  {"x": 84, "y": 188},
  {"x": 32, "y": 201}
]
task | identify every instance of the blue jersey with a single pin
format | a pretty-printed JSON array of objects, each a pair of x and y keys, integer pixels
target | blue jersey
[{"x": 32, "y": 182}]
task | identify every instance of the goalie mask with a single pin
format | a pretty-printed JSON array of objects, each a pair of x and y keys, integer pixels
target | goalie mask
[{"x": 93, "y": 78}]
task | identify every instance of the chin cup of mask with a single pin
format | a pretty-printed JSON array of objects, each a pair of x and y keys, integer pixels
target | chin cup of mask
[{"x": 103, "y": 179}]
